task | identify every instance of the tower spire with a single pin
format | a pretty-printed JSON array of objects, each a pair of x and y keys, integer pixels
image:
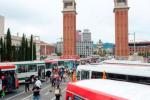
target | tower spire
[
  {"x": 69, "y": 28},
  {"x": 121, "y": 29}
]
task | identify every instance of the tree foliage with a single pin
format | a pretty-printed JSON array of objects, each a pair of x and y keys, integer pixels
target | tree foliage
[
  {"x": 26, "y": 51},
  {"x": 8, "y": 46}
]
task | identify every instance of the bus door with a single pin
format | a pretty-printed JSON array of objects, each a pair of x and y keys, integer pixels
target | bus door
[
  {"x": 8, "y": 80},
  {"x": 41, "y": 71}
]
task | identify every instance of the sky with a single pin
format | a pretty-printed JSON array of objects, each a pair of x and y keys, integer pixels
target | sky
[{"x": 44, "y": 18}]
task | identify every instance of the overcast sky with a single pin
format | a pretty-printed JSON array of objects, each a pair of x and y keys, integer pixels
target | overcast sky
[{"x": 44, "y": 18}]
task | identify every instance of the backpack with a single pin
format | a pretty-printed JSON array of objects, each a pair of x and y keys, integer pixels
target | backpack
[{"x": 57, "y": 91}]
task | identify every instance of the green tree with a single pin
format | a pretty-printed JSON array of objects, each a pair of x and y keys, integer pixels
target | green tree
[
  {"x": 8, "y": 46},
  {"x": 31, "y": 47},
  {"x": 23, "y": 48},
  {"x": 4, "y": 51},
  {"x": 19, "y": 54},
  {"x": 34, "y": 51},
  {"x": 27, "y": 56},
  {"x": 14, "y": 57},
  {"x": 59, "y": 54}
]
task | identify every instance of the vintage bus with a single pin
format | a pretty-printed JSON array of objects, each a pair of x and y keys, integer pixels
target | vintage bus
[
  {"x": 138, "y": 73},
  {"x": 67, "y": 63},
  {"x": 29, "y": 69},
  {"x": 103, "y": 89},
  {"x": 8, "y": 78},
  {"x": 50, "y": 64}
]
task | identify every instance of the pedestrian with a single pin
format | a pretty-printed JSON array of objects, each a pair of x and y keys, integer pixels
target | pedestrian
[
  {"x": 9, "y": 82},
  {"x": 36, "y": 92},
  {"x": 48, "y": 74},
  {"x": 57, "y": 81},
  {"x": 64, "y": 76},
  {"x": 38, "y": 83},
  {"x": 57, "y": 92},
  {"x": 27, "y": 83}
]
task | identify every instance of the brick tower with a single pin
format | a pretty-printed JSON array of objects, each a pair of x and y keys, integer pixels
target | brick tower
[
  {"x": 69, "y": 28},
  {"x": 121, "y": 29}
]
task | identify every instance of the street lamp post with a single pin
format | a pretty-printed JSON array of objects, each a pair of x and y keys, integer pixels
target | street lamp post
[{"x": 35, "y": 42}]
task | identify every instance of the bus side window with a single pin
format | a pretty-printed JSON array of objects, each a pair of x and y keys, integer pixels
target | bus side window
[
  {"x": 85, "y": 75},
  {"x": 22, "y": 69},
  {"x": 32, "y": 68},
  {"x": 78, "y": 75},
  {"x": 25, "y": 68},
  {"x": 96, "y": 75},
  {"x": 19, "y": 69},
  {"x": 48, "y": 65},
  {"x": 77, "y": 98}
]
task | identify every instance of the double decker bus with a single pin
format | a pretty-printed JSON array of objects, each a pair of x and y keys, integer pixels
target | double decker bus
[
  {"x": 102, "y": 89},
  {"x": 131, "y": 72},
  {"x": 8, "y": 78}
]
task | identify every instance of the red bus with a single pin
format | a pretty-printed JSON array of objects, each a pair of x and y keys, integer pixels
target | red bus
[
  {"x": 8, "y": 78},
  {"x": 102, "y": 89}
]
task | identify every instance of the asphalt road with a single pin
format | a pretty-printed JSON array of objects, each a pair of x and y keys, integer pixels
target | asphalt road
[{"x": 46, "y": 93}]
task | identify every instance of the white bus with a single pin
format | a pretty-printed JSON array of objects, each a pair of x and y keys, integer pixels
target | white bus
[
  {"x": 67, "y": 63},
  {"x": 29, "y": 69},
  {"x": 125, "y": 72}
]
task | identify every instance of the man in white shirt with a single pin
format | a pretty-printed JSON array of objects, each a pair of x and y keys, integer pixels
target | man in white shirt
[{"x": 38, "y": 83}]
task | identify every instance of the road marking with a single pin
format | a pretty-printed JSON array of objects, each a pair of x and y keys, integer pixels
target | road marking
[
  {"x": 46, "y": 93},
  {"x": 32, "y": 94},
  {"x": 15, "y": 95},
  {"x": 62, "y": 92}
]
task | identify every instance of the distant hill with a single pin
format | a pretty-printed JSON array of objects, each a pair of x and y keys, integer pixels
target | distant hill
[{"x": 108, "y": 45}]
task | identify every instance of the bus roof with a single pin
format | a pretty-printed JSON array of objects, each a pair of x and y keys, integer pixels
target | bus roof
[
  {"x": 6, "y": 66},
  {"x": 50, "y": 61},
  {"x": 137, "y": 70},
  {"x": 28, "y": 62},
  {"x": 126, "y": 90},
  {"x": 65, "y": 59},
  {"x": 126, "y": 62}
]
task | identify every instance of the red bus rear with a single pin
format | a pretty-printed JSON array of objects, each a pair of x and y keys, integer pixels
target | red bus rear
[{"x": 8, "y": 78}]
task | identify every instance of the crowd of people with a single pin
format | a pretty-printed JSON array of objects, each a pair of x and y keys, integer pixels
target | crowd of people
[{"x": 55, "y": 77}]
